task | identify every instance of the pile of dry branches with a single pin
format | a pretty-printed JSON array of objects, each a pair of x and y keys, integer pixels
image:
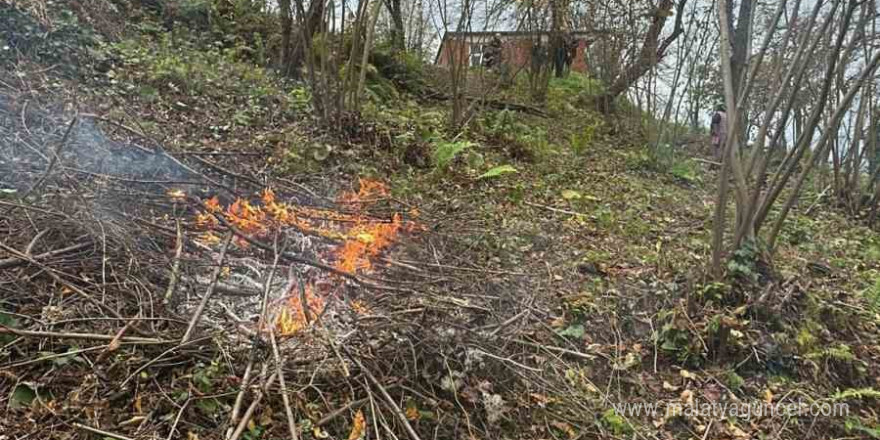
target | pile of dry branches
[{"x": 121, "y": 317}]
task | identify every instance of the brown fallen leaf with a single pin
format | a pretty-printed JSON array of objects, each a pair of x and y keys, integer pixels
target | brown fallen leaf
[
  {"x": 564, "y": 427},
  {"x": 358, "y": 426}
]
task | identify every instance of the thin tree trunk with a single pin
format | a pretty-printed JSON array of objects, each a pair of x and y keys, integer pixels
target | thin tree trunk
[
  {"x": 286, "y": 25},
  {"x": 374, "y": 15},
  {"x": 824, "y": 144},
  {"x": 723, "y": 180},
  {"x": 803, "y": 143}
]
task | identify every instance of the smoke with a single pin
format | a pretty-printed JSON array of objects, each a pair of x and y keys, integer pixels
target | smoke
[{"x": 30, "y": 137}]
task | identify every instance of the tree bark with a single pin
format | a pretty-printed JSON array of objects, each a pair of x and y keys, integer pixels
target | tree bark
[
  {"x": 723, "y": 180},
  {"x": 286, "y": 26},
  {"x": 740, "y": 42},
  {"x": 311, "y": 20},
  {"x": 398, "y": 31},
  {"x": 650, "y": 55}
]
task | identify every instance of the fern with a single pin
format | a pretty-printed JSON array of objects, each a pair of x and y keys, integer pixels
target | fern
[
  {"x": 839, "y": 353},
  {"x": 872, "y": 295},
  {"x": 497, "y": 171},
  {"x": 856, "y": 394},
  {"x": 855, "y": 425},
  {"x": 446, "y": 152}
]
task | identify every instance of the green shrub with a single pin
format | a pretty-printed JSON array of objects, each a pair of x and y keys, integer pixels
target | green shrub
[
  {"x": 521, "y": 140},
  {"x": 405, "y": 70},
  {"x": 445, "y": 152},
  {"x": 676, "y": 338},
  {"x": 743, "y": 264},
  {"x": 664, "y": 159},
  {"x": 573, "y": 90},
  {"x": 685, "y": 170},
  {"x": 182, "y": 71},
  {"x": 585, "y": 134},
  {"x": 617, "y": 424},
  {"x": 65, "y": 45}
]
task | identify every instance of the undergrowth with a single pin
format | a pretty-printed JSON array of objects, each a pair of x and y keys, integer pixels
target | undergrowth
[{"x": 180, "y": 68}]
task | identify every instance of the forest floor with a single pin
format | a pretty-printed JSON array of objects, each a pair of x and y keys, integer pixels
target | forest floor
[{"x": 555, "y": 271}]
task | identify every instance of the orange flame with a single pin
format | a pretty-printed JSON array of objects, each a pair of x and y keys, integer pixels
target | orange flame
[
  {"x": 363, "y": 238},
  {"x": 364, "y": 241},
  {"x": 292, "y": 318}
]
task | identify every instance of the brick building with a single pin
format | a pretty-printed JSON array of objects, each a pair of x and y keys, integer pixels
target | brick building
[{"x": 516, "y": 48}]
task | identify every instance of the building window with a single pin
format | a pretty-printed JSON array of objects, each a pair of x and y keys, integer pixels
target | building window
[{"x": 476, "y": 55}]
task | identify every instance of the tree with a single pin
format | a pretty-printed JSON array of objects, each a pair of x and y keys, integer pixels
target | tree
[
  {"x": 652, "y": 51},
  {"x": 398, "y": 30},
  {"x": 756, "y": 191}
]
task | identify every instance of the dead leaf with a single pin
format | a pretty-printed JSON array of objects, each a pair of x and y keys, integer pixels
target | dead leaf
[
  {"x": 358, "y": 426},
  {"x": 768, "y": 396},
  {"x": 669, "y": 387},
  {"x": 687, "y": 397},
  {"x": 688, "y": 375},
  {"x": 412, "y": 412},
  {"x": 564, "y": 427},
  {"x": 540, "y": 399}
]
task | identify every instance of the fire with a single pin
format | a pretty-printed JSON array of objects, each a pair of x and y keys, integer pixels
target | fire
[
  {"x": 292, "y": 318},
  {"x": 362, "y": 237},
  {"x": 370, "y": 190},
  {"x": 366, "y": 240}
]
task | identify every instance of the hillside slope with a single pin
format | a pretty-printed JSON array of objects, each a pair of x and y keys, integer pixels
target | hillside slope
[{"x": 545, "y": 270}]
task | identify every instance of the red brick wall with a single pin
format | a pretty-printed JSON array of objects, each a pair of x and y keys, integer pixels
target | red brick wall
[
  {"x": 516, "y": 53},
  {"x": 580, "y": 60},
  {"x": 449, "y": 48}
]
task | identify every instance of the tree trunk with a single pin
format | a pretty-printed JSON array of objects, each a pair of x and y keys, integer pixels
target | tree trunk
[
  {"x": 556, "y": 41},
  {"x": 286, "y": 26},
  {"x": 398, "y": 32},
  {"x": 312, "y": 21},
  {"x": 740, "y": 43},
  {"x": 651, "y": 53},
  {"x": 723, "y": 180}
]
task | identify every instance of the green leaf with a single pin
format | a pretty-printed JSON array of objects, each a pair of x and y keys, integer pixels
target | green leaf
[
  {"x": 574, "y": 331},
  {"x": 569, "y": 194},
  {"x": 446, "y": 152},
  {"x": 22, "y": 397},
  {"x": 616, "y": 423},
  {"x": 7, "y": 320},
  {"x": 856, "y": 394},
  {"x": 497, "y": 171},
  {"x": 853, "y": 424},
  {"x": 208, "y": 406}
]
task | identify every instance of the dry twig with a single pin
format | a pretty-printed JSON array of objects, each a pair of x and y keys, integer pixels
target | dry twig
[{"x": 214, "y": 277}]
